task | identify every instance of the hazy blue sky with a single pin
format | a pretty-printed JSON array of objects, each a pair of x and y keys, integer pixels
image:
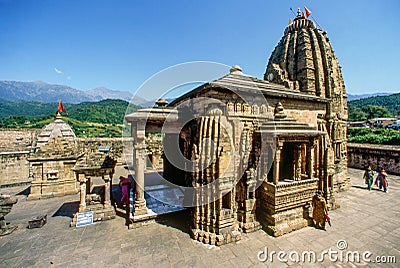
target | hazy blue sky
[{"x": 119, "y": 44}]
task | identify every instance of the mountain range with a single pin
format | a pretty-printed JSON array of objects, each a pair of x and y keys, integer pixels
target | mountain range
[
  {"x": 50, "y": 93},
  {"x": 44, "y": 92},
  {"x": 352, "y": 97}
]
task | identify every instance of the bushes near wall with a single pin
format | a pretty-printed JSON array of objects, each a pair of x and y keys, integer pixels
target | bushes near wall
[{"x": 374, "y": 136}]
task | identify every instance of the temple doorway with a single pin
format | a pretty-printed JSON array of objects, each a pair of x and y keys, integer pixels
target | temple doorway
[{"x": 288, "y": 161}]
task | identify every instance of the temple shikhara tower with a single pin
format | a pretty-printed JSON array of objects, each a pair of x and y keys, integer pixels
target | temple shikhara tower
[
  {"x": 252, "y": 153},
  {"x": 304, "y": 61}
]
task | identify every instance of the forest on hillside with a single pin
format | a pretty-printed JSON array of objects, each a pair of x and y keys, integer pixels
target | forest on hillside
[
  {"x": 105, "y": 118},
  {"x": 88, "y": 119},
  {"x": 374, "y": 107}
]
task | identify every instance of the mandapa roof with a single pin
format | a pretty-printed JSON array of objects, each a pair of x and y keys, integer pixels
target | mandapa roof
[{"x": 236, "y": 81}]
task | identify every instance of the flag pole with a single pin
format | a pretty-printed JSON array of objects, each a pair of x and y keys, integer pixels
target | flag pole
[
  {"x": 292, "y": 11},
  {"x": 319, "y": 26}
]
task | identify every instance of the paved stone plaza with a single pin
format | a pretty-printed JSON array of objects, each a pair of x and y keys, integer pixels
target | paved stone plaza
[{"x": 367, "y": 221}]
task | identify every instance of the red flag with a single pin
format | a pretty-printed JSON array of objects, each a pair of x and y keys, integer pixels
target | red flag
[
  {"x": 61, "y": 107},
  {"x": 308, "y": 12}
]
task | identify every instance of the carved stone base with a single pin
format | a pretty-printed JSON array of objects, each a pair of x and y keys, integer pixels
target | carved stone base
[
  {"x": 246, "y": 217},
  {"x": 248, "y": 222},
  {"x": 214, "y": 239},
  {"x": 249, "y": 227},
  {"x": 48, "y": 189},
  {"x": 341, "y": 182},
  {"x": 140, "y": 209},
  {"x": 332, "y": 203},
  {"x": 285, "y": 222}
]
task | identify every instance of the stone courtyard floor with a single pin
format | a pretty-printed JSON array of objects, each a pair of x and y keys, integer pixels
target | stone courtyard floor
[{"x": 366, "y": 221}]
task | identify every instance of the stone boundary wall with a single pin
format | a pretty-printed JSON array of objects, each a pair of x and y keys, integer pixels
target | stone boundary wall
[
  {"x": 116, "y": 147},
  {"x": 14, "y": 167},
  {"x": 360, "y": 155},
  {"x": 15, "y": 145},
  {"x": 14, "y": 140}
]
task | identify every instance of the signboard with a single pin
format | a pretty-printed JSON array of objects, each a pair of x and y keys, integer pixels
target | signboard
[
  {"x": 85, "y": 218},
  {"x": 104, "y": 149}
]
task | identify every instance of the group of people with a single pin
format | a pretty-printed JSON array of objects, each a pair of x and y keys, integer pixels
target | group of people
[
  {"x": 381, "y": 180},
  {"x": 320, "y": 210}
]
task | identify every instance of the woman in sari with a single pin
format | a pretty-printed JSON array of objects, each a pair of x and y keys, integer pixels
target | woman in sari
[
  {"x": 383, "y": 180},
  {"x": 320, "y": 210},
  {"x": 369, "y": 177}
]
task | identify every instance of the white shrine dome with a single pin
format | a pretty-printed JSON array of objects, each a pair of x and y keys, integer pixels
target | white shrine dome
[{"x": 56, "y": 129}]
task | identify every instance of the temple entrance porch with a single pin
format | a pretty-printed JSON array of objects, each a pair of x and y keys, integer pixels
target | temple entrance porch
[
  {"x": 153, "y": 194},
  {"x": 285, "y": 196}
]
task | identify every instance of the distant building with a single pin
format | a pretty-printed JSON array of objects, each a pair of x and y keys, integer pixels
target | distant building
[
  {"x": 395, "y": 125},
  {"x": 383, "y": 122},
  {"x": 359, "y": 124}
]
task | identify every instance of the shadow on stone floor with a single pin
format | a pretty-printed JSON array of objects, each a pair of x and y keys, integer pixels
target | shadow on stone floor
[
  {"x": 365, "y": 188},
  {"x": 67, "y": 209},
  {"x": 179, "y": 220},
  {"x": 25, "y": 191}
]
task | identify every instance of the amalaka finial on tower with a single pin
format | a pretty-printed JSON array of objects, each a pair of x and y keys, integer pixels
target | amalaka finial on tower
[
  {"x": 161, "y": 102},
  {"x": 236, "y": 69}
]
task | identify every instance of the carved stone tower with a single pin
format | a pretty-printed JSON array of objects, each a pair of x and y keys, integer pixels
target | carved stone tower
[{"x": 304, "y": 61}]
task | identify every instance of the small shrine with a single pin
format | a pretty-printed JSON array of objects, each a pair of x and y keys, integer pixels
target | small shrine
[
  {"x": 54, "y": 154},
  {"x": 94, "y": 173}
]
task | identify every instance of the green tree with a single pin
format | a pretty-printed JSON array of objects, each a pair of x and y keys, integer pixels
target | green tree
[
  {"x": 374, "y": 111},
  {"x": 356, "y": 114}
]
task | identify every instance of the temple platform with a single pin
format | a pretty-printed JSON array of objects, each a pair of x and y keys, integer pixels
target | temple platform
[{"x": 160, "y": 199}]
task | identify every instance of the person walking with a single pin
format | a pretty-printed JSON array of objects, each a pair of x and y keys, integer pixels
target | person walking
[
  {"x": 369, "y": 177},
  {"x": 125, "y": 185},
  {"x": 382, "y": 180},
  {"x": 320, "y": 210}
]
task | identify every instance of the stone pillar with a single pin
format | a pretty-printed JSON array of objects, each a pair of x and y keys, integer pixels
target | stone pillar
[
  {"x": 298, "y": 160},
  {"x": 139, "y": 153},
  {"x": 107, "y": 187},
  {"x": 277, "y": 161},
  {"x": 310, "y": 159},
  {"x": 82, "y": 181}
]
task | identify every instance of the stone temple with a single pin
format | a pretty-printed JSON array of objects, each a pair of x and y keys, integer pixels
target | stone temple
[
  {"x": 251, "y": 153},
  {"x": 54, "y": 154}
]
